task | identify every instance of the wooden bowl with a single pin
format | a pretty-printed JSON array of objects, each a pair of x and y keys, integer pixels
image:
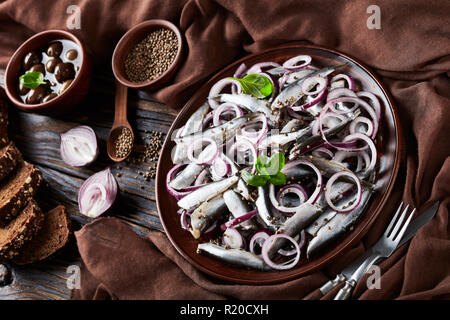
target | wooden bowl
[
  {"x": 72, "y": 96},
  {"x": 389, "y": 146},
  {"x": 130, "y": 39}
]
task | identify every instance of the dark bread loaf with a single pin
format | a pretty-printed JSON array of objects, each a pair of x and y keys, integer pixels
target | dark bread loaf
[
  {"x": 3, "y": 118},
  {"x": 10, "y": 156},
  {"x": 21, "y": 230},
  {"x": 15, "y": 191},
  {"x": 53, "y": 236}
]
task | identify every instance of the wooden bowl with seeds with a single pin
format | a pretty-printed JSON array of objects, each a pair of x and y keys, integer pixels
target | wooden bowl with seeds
[{"x": 147, "y": 56}]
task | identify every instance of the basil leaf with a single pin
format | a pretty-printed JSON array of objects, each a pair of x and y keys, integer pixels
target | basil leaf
[
  {"x": 261, "y": 163},
  {"x": 253, "y": 179},
  {"x": 278, "y": 179},
  {"x": 272, "y": 166},
  {"x": 255, "y": 84},
  {"x": 32, "y": 80}
]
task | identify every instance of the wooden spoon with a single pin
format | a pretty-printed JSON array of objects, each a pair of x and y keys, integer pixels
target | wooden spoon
[{"x": 120, "y": 122}]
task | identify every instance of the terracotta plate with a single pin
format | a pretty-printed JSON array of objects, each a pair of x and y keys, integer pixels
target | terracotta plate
[{"x": 388, "y": 145}]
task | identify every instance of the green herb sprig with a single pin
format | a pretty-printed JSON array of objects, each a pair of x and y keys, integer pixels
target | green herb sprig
[
  {"x": 32, "y": 80},
  {"x": 269, "y": 170},
  {"x": 256, "y": 85}
]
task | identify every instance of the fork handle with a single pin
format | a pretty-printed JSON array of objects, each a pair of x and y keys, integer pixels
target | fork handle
[
  {"x": 327, "y": 287},
  {"x": 346, "y": 292}
]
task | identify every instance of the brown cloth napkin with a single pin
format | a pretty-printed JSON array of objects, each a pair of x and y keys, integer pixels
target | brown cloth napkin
[{"x": 411, "y": 52}]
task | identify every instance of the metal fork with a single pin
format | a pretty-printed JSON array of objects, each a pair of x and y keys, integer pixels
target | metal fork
[{"x": 381, "y": 250}]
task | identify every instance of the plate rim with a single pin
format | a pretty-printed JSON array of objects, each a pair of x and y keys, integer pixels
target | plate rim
[{"x": 399, "y": 150}]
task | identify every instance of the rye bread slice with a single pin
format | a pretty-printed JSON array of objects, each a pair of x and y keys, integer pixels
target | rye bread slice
[
  {"x": 21, "y": 230},
  {"x": 53, "y": 236},
  {"x": 3, "y": 118},
  {"x": 15, "y": 191},
  {"x": 10, "y": 156}
]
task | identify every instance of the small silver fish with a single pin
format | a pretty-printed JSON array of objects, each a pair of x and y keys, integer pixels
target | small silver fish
[
  {"x": 196, "y": 197},
  {"x": 188, "y": 175},
  {"x": 237, "y": 208},
  {"x": 293, "y": 225},
  {"x": 237, "y": 257},
  {"x": 337, "y": 226},
  {"x": 264, "y": 209},
  {"x": 292, "y": 93},
  {"x": 205, "y": 215},
  {"x": 253, "y": 105},
  {"x": 280, "y": 140},
  {"x": 292, "y": 125}
]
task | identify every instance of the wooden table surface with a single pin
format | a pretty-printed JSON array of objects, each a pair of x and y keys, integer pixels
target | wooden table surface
[{"x": 37, "y": 136}]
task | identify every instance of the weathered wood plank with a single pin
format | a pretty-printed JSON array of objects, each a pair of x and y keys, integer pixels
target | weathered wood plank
[{"x": 37, "y": 136}]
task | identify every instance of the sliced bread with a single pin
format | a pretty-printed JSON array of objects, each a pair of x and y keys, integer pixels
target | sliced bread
[
  {"x": 53, "y": 236},
  {"x": 3, "y": 118},
  {"x": 15, "y": 192},
  {"x": 20, "y": 230},
  {"x": 10, "y": 156}
]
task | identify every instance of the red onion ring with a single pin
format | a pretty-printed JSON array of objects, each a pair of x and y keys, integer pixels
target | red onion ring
[
  {"x": 311, "y": 82},
  {"x": 233, "y": 239},
  {"x": 329, "y": 185},
  {"x": 257, "y": 67},
  {"x": 217, "y": 88},
  {"x": 234, "y": 222},
  {"x": 198, "y": 143},
  {"x": 255, "y": 137},
  {"x": 228, "y": 106},
  {"x": 242, "y": 145},
  {"x": 255, "y": 240},
  {"x": 281, "y": 266},
  {"x": 327, "y": 152},
  {"x": 221, "y": 167},
  {"x": 291, "y": 64},
  {"x": 354, "y": 123},
  {"x": 348, "y": 79},
  {"x": 371, "y": 145},
  {"x": 170, "y": 175},
  {"x": 315, "y": 195},
  {"x": 294, "y": 188}
]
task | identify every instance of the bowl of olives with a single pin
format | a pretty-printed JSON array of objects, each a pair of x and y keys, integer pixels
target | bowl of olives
[{"x": 50, "y": 72}]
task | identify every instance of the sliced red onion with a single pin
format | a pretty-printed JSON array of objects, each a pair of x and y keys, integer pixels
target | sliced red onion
[
  {"x": 242, "y": 145},
  {"x": 373, "y": 149},
  {"x": 256, "y": 136},
  {"x": 310, "y": 101},
  {"x": 294, "y": 188},
  {"x": 217, "y": 88},
  {"x": 348, "y": 79},
  {"x": 281, "y": 266},
  {"x": 221, "y": 167},
  {"x": 293, "y": 63},
  {"x": 228, "y": 106},
  {"x": 240, "y": 71},
  {"x": 258, "y": 67},
  {"x": 258, "y": 238},
  {"x": 313, "y": 198},
  {"x": 233, "y": 239},
  {"x": 309, "y": 83},
  {"x": 375, "y": 103},
  {"x": 79, "y": 146},
  {"x": 234, "y": 222},
  {"x": 197, "y": 144},
  {"x": 207, "y": 119},
  {"x": 340, "y": 92},
  {"x": 97, "y": 194},
  {"x": 301, "y": 244},
  {"x": 184, "y": 220},
  {"x": 170, "y": 176},
  {"x": 330, "y": 182},
  {"x": 353, "y": 127}
]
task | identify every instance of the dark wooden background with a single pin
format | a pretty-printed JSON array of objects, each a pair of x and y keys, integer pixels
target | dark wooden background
[{"x": 37, "y": 136}]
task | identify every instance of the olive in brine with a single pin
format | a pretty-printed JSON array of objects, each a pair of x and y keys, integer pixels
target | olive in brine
[
  {"x": 31, "y": 59},
  {"x": 54, "y": 49},
  {"x": 64, "y": 71},
  {"x": 52, "y": 63},
  {"x": 36, "y": 95},
  {"x": 72, "y": 54},
  {"x": 49, "y": 97},
  {"x": 22, "y": 89},
  {"x": 38, "y": 68},
  {"x": 65, "y": 85}
]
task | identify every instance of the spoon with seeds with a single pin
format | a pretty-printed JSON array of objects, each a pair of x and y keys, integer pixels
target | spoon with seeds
[{"x": 121, "y": 137}]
